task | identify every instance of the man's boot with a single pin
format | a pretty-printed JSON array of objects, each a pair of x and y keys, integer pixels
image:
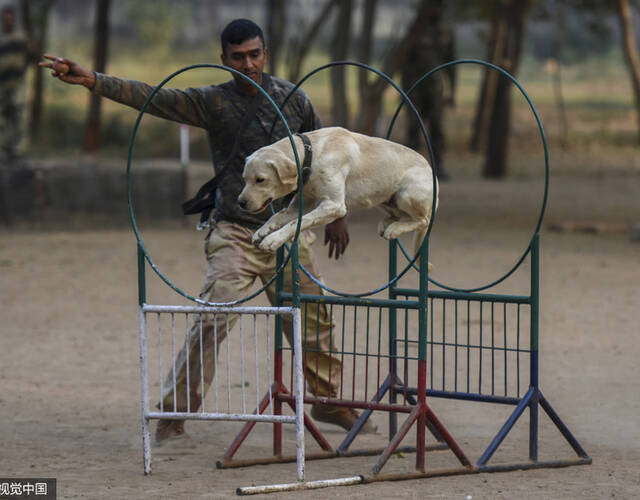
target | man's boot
[
  {"x": 342, "y": 416},
  {"x": 169, "y": 430}
]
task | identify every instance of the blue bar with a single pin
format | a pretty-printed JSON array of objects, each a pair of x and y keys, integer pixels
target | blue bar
[{"x": 513, "y": 418}]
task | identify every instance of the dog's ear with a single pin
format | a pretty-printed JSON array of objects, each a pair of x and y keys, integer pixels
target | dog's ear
[{"x": 286, "y": 171}]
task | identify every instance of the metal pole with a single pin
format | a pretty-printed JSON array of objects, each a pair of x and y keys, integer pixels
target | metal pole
[
  {"x": 142, "y": 289},
  {"x": 534, "y": 363},
  {"x": 393, "y": 332},
  {"x": 422, "y": 355},
  {"x": 144, "y": 396},
  {"x": 311, "y": 485},
  {"x": 277, "y": 357},
  {"x": 299, "y": 390}
]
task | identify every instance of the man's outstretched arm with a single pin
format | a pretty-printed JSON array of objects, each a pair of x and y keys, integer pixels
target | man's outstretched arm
[{"x": 190, "y": 106}]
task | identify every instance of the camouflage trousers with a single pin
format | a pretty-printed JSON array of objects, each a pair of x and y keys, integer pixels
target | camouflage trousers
[
  {"x": 10, "y": 123},
  {"x": 234, "y": 264}
]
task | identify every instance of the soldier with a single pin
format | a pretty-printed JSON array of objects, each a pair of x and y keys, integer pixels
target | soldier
[
  {"x": 13, "y": 64},
  {"x": 234, "y": 262},
  {"x": 434, "y": 46}
]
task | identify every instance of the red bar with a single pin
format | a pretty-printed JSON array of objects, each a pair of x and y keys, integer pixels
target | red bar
[
  {"x": 246, "y": 429},
  {"x": 277, "y": 407},
  {"x": 364, "y": 405},
  {"x": 447, "y": 437}
]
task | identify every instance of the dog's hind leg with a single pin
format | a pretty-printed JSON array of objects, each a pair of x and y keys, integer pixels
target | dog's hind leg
[
  {"x": 414, "y": 199},
  {"x": 392, "y": 216}
]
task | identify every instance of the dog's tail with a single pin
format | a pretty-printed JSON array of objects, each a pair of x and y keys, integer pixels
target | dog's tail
[{"x": 417, "y": 243}]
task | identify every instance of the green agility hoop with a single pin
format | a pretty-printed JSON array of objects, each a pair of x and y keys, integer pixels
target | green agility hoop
[
  {"x": 134, "y": 134},
  {"x": 546, "y": 168}
]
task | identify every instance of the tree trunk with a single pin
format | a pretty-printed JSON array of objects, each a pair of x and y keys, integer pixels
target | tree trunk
[
  {"x": 371, "y": 96},
  {"x": 366, "y": 40},
  {"x": 295, "y": 68},
  {"x": 499, "y": 127},
  {"x": 101, "y": 45},
  {"x": 35, "y": 16},
  {"x": 366, "y": 49},
  {"x": 557, "y": 75},
  {"x": 339, "y": 52},
  {"x": 276, "y": 24},
  {"x": 631, "y": 53},
  {"x": 499, "y": 30}
]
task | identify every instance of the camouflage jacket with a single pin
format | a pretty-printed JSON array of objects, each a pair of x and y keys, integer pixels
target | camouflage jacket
[{"x": 219, "y": 109}]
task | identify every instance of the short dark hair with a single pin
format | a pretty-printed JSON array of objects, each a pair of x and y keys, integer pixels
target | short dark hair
[{"x": 239, "y": 31}]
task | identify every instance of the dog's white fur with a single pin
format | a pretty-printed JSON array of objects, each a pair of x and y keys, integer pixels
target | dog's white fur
[{"x": 348, "y": 171}]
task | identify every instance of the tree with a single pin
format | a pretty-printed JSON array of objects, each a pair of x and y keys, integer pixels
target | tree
[
  {"x": 559, "y": 42},
  {"x": 630, "y": 52},
  {"x": 339, "y": 52},
  {"x": 371, "y": 92},
  {"x": 35, "y": 18},
  {"x": 100, "y": 51},
  {"x": 493, "y": 116},
  {"x": 276, "y": 24},
  {"x": 304, "y": 43},
  {"x": 365, "y": 52},
  {"x": 495, "y": 46}
]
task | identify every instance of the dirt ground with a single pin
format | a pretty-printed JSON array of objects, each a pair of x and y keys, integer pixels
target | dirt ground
[{"x": 69, "y": 370}]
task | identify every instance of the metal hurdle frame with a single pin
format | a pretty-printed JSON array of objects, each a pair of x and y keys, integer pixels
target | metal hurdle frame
[{"x": 419, "y": 412}]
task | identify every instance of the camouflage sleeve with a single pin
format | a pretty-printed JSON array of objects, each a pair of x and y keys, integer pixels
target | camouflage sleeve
[{"x": 190, "y": 106}]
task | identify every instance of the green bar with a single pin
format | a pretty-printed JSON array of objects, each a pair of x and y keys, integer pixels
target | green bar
[
  {"x": 471, "y": 296},
  {"x": 295, "y": 276},
  {"x": 393, "y": 333},
  {"x": 142, "y": 288},
  {"x": 353, "y": 301}
]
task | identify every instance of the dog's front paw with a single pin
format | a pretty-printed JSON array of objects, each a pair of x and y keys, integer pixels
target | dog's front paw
[
  {"x": 271, "y": 243},
  {"x": 257, "y": 238},
  {"x": 261, "y": 233}
]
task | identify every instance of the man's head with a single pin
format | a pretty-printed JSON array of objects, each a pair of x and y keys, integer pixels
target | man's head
[
  {"x": 243, "y": 49},
  {"x": 8, "y": 15}
]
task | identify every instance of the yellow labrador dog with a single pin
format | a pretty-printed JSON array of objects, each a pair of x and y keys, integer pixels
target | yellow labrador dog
[{"x": 348, "y": 171}]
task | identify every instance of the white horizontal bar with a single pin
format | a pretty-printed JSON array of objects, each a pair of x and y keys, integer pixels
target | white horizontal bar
[
  {"x": 285, "y": 419},
  {"x": 308, "y": 485},
  {"x": 218, "y": 309}
]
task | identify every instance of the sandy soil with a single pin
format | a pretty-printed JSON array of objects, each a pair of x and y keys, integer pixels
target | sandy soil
[{"x": 69, "y": 371}]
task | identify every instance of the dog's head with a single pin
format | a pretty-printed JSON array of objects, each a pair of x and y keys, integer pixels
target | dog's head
[{"x": 268, "y": 174}]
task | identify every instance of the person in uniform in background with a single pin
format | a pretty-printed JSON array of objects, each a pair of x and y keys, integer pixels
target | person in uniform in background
[
  {"x": 234, "y": 262},
  {"x": 434, "y": 46},
  {"x": 13, "y": 65}
]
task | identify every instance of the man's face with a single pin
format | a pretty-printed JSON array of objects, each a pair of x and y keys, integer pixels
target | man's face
[{"x": 249, "y": 58}]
